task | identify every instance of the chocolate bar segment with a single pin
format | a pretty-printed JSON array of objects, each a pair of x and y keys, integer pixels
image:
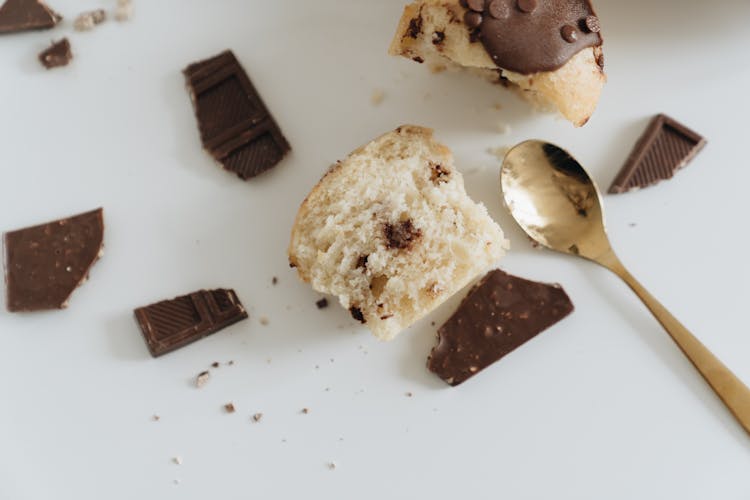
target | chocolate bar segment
[
  {"x": 44, "y": 264},
  {"x": 171, "y": 324},
  {"x": 499, "y": 314},
  {"x": 664, "y": 148},
  {"x": 58, "y": 54},
  {"x": 234, "y": 123},
  {"x": 25, "y": 15}
]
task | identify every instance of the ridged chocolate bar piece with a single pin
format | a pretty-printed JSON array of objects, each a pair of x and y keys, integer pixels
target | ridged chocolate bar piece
[
  {"x": 499, "y": 314},
  {"x": 664, "y": 148},
  {"x": 171, "y": 324},
  {"x": 44, "y": 264},
  {"x": 57, "y": 54},
  {"x": 25, "y": 15},
  {"x": 234, "y": 123}
]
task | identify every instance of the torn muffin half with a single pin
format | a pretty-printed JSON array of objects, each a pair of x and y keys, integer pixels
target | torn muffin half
[{"x": 392, "y": 233}]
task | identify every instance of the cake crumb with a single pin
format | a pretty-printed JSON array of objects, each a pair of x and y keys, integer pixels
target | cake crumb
[
  {"x": 376, "y": 99},
  {"x": 177, "y": 460},
  {"x": 87, "y": 20},
  {"x": 263, "y": 321},
  {"x": 229, "y": 408},
  {"x": 498, "y": 106},
  {"x": 202, "y": 379},
  {"x": 257, "y": 417},
  {"x": 124, "y": 10},
  {"x": 503, "y": 128}
]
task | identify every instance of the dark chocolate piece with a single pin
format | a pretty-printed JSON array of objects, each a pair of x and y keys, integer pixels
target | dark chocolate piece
[
  {"x": 44, "y": 264},
  {"x": 234, "y": 123},
  {"x": 58, "y": 54},
  {"x": 171, "y": 324},
  {"x": 528, "y": 36},
  {"x": 25, "y": 15},
  {"x": 499, "y": 314},
  {"x": 322, "y": 303},
  {"x": 664, "y": 148}
]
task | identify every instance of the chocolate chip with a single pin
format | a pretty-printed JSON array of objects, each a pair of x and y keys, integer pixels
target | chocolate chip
[
  {"x": 401, "y": 236},
  {"x": 415, "y": 27},
  {"x": 592, "y": 24},
  {"x": 322, "y": 303},
  {"x": 527, "y": 6},
  {"x": 362, "y": 261},
  {"x": 473, "y": 19},
  {"x": 499, "y": 9},
  {"x": 438, "y": 37},
  {"x": 439, "y": 174},
  {"x": 475, "y": 5},
  {"x": 417, "y": 59},
  {"x": 356, "y": 313},
  {"x": 569, "y": 33}
]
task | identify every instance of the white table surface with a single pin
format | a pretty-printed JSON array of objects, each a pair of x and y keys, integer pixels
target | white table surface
[{"x": 601, "y": 406}]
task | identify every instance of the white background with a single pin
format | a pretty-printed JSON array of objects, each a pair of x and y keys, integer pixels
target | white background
[{"x": 601, "y": 406}]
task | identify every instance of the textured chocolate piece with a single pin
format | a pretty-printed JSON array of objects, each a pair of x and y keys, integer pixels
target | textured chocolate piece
[
  {"x": 58, "y": 54},
  {"x": 664, "y": 148},
  {"x": 499, "y": 314},
  {"x": 235, "y": 126},
  {"x": 530, "y": 36},
  {"x": 25, "y": 15},
  {"x": 44, "y": 264},
  {"x": 171, "y": 324}
]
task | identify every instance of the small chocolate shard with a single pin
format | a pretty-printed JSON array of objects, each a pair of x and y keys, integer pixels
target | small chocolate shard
[
  {"x": 58, "y": 54},
  {"x": 175, "y": 323},
  {"x": 46, "y": 263},
  {"x": 664, "y": 148},
  {"x": 401, "y": 235},
  {"x": 322, "y": 303},
  {"x": 25, "y": 15},
  {"x": 236, "y": 127},
  {"x": 499, "y": 314},
  {"x": 356, "y": 313}
]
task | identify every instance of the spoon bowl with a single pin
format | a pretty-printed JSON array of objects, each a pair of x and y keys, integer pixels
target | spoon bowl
[{"x": 559, "y": 206}]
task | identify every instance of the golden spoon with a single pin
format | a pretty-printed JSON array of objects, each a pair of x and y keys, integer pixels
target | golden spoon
[{"x": 558, "y": 205}]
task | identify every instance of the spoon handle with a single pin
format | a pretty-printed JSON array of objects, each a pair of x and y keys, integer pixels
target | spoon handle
[{"x": 731, "y": 390}]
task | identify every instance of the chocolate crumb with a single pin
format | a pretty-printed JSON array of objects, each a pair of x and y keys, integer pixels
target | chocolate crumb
[
  {"x": 332, "y": 465},
  {"x": 155, "y": 418},
  {"x": 257, "y": 417},
  {"x": 362, "y": 261},
  {"x": 305, "y": 410},
  {"x": 215, "y": 364},
  {"x": 322, "y": 303},
  {"x": 356, "y": 313},
  {"x": 440, "y": 174},
  {"x": 274, "y": 280},
  {"x": 409, "y": 394},
  {"x": 202, "y": 379},
  {"x": 417, "y": 59},
  {"x": 415, "y": 27},
  {"x": 56, "y": 55},
  {"x": 401, "y": 236},
  {"x": 177, "y": 460},
  {"x": 229, "y": 408},
  {"x": 230, "y": 362}
]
